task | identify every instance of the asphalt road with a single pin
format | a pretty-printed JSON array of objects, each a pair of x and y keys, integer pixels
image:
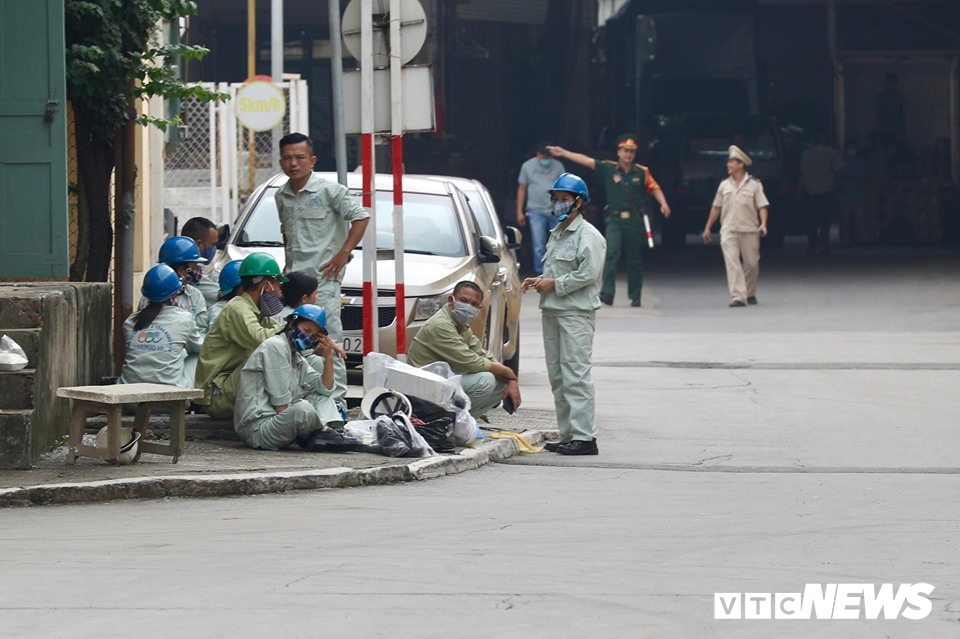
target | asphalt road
[{"x": 808, "y": 440}]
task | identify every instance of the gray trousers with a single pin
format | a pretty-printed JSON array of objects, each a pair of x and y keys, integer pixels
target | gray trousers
[
  {"x": 328, "y": 296},
  {"x": 568, "y": 349},
  {"x": 484, "y": 391},
  {"x": 300, "y": 419}
]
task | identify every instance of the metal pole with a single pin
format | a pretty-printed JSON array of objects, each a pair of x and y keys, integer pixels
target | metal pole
[
  {"x": 251, "y": 71},
  {"x": 371, "y": 337},
  {"x": 276, "y": 59},
  {"x": 396, "y": 139},
  {"x": 336, "y": 87},
  {"x": 123, "y": 216}
]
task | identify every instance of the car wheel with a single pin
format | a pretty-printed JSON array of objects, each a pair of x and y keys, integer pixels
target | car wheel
[{"x": 514, "y": 362}]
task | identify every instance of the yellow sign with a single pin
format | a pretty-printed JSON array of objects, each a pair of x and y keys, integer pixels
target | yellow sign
[{"x": 260, "y": 106}]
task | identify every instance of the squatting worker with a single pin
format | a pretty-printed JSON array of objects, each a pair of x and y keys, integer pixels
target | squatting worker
[
  {"x": 244, "y": 323},
  {"x": 447, "y": 337},
  {"x": 741, "y": 206},
  {"x": 625, "y": 184},
  {"x": 569, "y": 287},
  {"x": 321, "y": 225}
]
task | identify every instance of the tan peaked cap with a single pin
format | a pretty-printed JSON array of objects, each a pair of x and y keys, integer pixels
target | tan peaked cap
[{"x": 737, "y": 154}]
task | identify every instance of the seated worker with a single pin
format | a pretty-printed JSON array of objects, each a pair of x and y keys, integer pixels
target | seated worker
[
  {"x": 162, "y": 339},
  {"x": 245, "y": 322},
  {"x": 229, "y": 286},
  {"x": 205, "y": 234},
  {"x": 447, "y": 337},
  {"x": 281, "y": 398},
  {"x": 182, "y": 255},
  {"x": 299, "y": 289}
]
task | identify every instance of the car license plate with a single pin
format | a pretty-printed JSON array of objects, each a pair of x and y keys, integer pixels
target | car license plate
[{"x": 353, "y": 345}]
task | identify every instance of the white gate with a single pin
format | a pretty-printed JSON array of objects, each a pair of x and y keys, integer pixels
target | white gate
[{"x": 209, "y": 168}]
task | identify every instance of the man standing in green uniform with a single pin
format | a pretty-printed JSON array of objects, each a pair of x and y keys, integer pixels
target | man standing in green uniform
[
  {"x": 447, "y": 337},
  {"x": 244, "y": 323},
  {"x": 625, "y": 185},
  {"x": 321, "y": 225},
  {"x": 569, "y": 301}
]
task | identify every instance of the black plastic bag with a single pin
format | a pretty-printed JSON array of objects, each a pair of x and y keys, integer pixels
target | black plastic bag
[{"x": 396, "y": 437}]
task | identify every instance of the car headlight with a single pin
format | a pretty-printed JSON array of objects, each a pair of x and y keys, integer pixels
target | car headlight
[{"x": 427, "y": 306}]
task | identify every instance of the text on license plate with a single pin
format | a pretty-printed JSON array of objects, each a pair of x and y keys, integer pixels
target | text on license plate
[{"x": 353, "y": 345}]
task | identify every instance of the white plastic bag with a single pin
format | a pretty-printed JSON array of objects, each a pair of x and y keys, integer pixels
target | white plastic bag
[
  {"x": 12, "y": 357},
  {"x": 381, "y": 370},
  {"x": 466, "y": 432},
  {"x": 363, "y": 429}
]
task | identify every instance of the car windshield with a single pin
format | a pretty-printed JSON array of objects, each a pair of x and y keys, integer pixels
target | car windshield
[
  {"x": 430, "y": 224},
  {"x": 710, "y": 139}
]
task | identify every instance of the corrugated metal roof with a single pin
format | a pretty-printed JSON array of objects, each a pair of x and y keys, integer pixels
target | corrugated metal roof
[{"x": 514, "y": 11}]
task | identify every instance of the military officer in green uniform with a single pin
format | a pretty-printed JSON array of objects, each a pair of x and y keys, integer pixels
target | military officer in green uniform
[
  {"x": 625, "y": 185},
  {"x": 568, "y": 290}
]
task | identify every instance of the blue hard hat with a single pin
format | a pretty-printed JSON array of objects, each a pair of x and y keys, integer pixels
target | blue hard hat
[
  {"x": 230, "y": 276},
  {"x": 180, "y": 249},
  {"x": 572, "y": 184},
  {"x": 312, "y": 312},
  {"x": 161, "y": 283}
]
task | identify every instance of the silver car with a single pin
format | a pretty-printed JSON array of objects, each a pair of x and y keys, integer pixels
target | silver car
[{"x": 451, "y": 233}]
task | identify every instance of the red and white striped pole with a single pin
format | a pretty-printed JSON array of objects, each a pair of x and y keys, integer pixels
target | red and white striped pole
[
  {"x": 370, "y": 314},
  {"x": 646, "y": 223},
  {"x": 396, "y": 140}
]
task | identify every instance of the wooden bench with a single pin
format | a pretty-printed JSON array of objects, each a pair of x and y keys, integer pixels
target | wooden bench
[{"x": 109, "y": 401}]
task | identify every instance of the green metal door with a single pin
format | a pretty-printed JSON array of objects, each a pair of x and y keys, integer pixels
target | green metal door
[{"x": 33, "y": 155}]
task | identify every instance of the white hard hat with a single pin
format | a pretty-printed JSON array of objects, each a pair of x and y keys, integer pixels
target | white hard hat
[
  {"x": 128, "y": 443},
  {"x": 383, "y": 401}
]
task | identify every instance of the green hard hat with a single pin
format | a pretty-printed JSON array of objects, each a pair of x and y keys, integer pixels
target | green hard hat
[{"x": 261, "y": 265}]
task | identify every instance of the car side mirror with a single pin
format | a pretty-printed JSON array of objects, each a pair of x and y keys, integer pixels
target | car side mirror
[
  {"x": 513, "y": 236},
  {"x": 223, "y": 234},
  {"x": 489, "y": 250}
]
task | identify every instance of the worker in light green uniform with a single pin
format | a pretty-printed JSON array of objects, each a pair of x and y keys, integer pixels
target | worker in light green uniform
[
  {"x": 183, "y": 256},
  {"x": 162, "y": 339},
  {"x": 447, "y": 337},
  {"x": 243, "y": 324},
  {"x": 321, "y": 225},
  {"x": 228, "y": 287},
  {"x": 569, "y": 298},
  {"x": 282, "y": 398}
]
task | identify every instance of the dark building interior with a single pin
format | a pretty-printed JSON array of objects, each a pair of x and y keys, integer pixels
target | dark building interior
[{"x": 508, "y": 73}]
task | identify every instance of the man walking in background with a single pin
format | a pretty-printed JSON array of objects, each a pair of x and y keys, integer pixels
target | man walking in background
[{"x": 536, "y": 178}]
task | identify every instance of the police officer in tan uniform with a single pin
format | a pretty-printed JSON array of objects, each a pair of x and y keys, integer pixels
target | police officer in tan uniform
[{"x": 741, "y": 206}]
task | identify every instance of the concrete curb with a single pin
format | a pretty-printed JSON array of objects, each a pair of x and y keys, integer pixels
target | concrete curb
[{"x": 225, "y": 484}]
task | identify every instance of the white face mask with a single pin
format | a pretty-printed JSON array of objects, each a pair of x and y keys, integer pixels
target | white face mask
[{"x": 463, "y": 313}]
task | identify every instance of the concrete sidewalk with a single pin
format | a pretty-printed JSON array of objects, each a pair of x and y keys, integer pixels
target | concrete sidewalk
[{"x": 217, "y": 464}]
